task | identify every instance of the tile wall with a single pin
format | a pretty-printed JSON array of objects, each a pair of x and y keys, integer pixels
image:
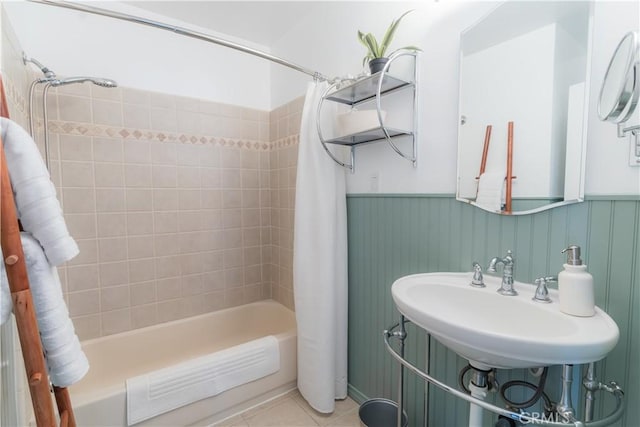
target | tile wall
[
  {"x": 284, "y": 128},
  {"x": 180, "y": 206}
]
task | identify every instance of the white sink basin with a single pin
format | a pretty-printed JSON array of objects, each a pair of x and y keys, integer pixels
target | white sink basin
[{"x": 496, "y": 331}]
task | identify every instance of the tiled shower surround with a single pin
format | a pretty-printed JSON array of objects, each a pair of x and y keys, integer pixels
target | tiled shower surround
[{"x": 180, "y": 206}]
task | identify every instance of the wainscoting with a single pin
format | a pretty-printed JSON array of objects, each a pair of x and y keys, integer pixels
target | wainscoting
[{"x": 394, "y": 235}]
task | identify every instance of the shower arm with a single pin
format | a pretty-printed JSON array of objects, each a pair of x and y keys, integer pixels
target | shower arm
[{"x": 184, "y": 32}]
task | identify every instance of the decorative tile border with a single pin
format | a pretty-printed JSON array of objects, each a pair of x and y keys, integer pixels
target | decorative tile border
[
  {"x": 285, "y": 142},
  {"x": 89, "y": 129}
]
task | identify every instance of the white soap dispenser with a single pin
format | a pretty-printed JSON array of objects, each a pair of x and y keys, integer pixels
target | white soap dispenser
[{"x": 575, "y": 286}]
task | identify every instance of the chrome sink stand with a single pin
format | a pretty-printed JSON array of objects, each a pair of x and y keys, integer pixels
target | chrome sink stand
[
  {"x": 401, "y": 335},
  {"x": 591, "y": 384},
  {"x": 565, "y": 407},
  {"x": 525, "y": 418}
]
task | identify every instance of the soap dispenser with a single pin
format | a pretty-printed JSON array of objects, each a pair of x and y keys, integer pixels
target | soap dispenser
[{"x": 575, "y": 286}]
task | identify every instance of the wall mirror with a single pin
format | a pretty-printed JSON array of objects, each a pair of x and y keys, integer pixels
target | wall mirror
[
  {"x": 524, "y": 79},
  {"x": 620, "y": 91}
]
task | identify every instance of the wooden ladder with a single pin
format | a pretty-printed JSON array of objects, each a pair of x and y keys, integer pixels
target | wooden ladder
[{"x": 23, "y": 308}]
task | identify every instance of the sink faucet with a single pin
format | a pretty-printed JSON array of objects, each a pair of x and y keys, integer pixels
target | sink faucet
[{"x": 507, "y": 273}]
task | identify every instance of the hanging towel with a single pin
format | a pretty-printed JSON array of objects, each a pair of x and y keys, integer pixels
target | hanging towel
[
  {"x": 166, "y": 389},
  {"x": 320, "y": 264},
  {"x": 491, "y": 191},
  {"x": 6, "y": 305},
  {"x": 66, "y": 361},
  {"x": 36, "y": 204}
]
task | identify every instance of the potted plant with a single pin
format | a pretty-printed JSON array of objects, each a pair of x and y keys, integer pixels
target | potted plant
[{"x": 376, "y": 51}]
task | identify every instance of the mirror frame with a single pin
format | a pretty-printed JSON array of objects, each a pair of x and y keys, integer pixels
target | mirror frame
[{"x": 585, "y": 116}]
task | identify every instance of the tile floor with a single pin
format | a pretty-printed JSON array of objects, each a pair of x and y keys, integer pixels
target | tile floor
[{"x": 292, "y": 410}]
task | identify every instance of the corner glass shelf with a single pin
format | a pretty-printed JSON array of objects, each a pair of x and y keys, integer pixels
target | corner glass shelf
[
  {"x": 369, "y": 135},
  {"x": 373, "y": 88},
  {"x": 367, "y": 88}
]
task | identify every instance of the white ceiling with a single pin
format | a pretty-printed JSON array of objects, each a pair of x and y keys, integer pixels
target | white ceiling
[{"x": 262, "y": 22}]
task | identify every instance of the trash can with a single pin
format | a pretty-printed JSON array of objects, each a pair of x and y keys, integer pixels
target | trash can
[{"x": 381, "y": 413}]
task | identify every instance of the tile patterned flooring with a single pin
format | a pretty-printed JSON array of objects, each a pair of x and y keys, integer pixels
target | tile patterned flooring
[{"x": 292, "y": 410}]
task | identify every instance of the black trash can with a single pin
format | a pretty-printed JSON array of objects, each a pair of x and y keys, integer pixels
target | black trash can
[{"x": 381, "y": 413}]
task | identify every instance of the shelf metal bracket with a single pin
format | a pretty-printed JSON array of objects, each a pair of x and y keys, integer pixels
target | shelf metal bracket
[
  {"x": 351, "y": 165},
  {"x": 385, "y": 131},
  {"x": 414, "y": 157}
]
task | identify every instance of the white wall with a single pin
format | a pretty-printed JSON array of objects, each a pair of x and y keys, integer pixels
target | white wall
[
  {"x": 328, "y": 43},
  {"x": 76, "y": 43},
  {"x": 72, "y": 43},
  {"x": 435, "y": 27},
  {"x": 607, "y": 155}
]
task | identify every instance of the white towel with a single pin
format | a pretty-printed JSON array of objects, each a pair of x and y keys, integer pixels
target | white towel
[
  {"x": 166, "y": 389},
  {"x": 65, "y": 359},
  {"x": 491, "y": 191},
  {"x": 37, "y": 206},
  {"x": 6, "y": 305}
]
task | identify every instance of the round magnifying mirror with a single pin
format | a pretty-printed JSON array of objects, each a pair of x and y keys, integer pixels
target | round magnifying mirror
[{"x": 620, "y": 88}]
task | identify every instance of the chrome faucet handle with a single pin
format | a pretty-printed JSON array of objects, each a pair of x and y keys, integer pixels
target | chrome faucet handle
[
  {"x": 477, "y": 281},
  {"x": 542, "y": 292}
]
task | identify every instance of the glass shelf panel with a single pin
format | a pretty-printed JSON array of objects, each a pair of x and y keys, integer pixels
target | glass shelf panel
[
  {"x": 369, "y": 135},
  {"x": 366, "y": 88}
]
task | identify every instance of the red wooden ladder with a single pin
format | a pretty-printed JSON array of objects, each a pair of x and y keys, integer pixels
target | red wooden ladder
[{"x": 23, "y": 305}]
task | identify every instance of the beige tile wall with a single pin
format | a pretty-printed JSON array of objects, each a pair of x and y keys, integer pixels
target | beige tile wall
[
  {"x": 180, "y": 206},
  {"x": 15, "y": 76},
  {"x": 285, "y": 128},
  {"x": 171, "y": 221}
]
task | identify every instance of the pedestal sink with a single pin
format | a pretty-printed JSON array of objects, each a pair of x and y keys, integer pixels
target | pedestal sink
[{"x": 495, "y": 331}]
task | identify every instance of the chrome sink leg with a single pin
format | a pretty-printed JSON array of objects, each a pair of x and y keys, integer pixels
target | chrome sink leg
[
  {"x": 591, "y": 385},
  {"x": 402, "y": 334},
  {"x": 565, "y": 407}
]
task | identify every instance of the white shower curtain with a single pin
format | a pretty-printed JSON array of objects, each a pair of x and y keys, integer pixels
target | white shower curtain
[{"x": 320, "y": 265}]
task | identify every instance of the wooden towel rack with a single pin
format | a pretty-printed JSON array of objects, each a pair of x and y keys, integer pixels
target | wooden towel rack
[
  {"x": 485, "y": 150},
  {"x": 510, "y": 177},
  {"x": 23, "y": 308}
]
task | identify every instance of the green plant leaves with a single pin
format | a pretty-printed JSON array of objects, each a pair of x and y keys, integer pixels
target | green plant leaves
[
  {"x": 375, "y": 50},
  {"x": 370, "y": 42},
  {"x": 388, "y": 36}
]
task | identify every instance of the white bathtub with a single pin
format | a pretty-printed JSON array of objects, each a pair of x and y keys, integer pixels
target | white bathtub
[{"x": 100, "y": 399}]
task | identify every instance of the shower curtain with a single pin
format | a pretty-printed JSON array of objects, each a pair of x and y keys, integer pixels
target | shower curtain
[{"x": 320, "y": 264}]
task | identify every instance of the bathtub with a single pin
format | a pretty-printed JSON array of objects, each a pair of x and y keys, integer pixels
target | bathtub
[{"x": 100, "y": 399}]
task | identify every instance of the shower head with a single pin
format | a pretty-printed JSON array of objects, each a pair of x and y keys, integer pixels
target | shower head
[
  {"x": 108, "y": 83},
  {"x": 49, "y": 74}
]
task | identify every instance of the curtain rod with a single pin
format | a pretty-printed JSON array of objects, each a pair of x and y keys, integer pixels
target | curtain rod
[{"x": 182, "y": 31}]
